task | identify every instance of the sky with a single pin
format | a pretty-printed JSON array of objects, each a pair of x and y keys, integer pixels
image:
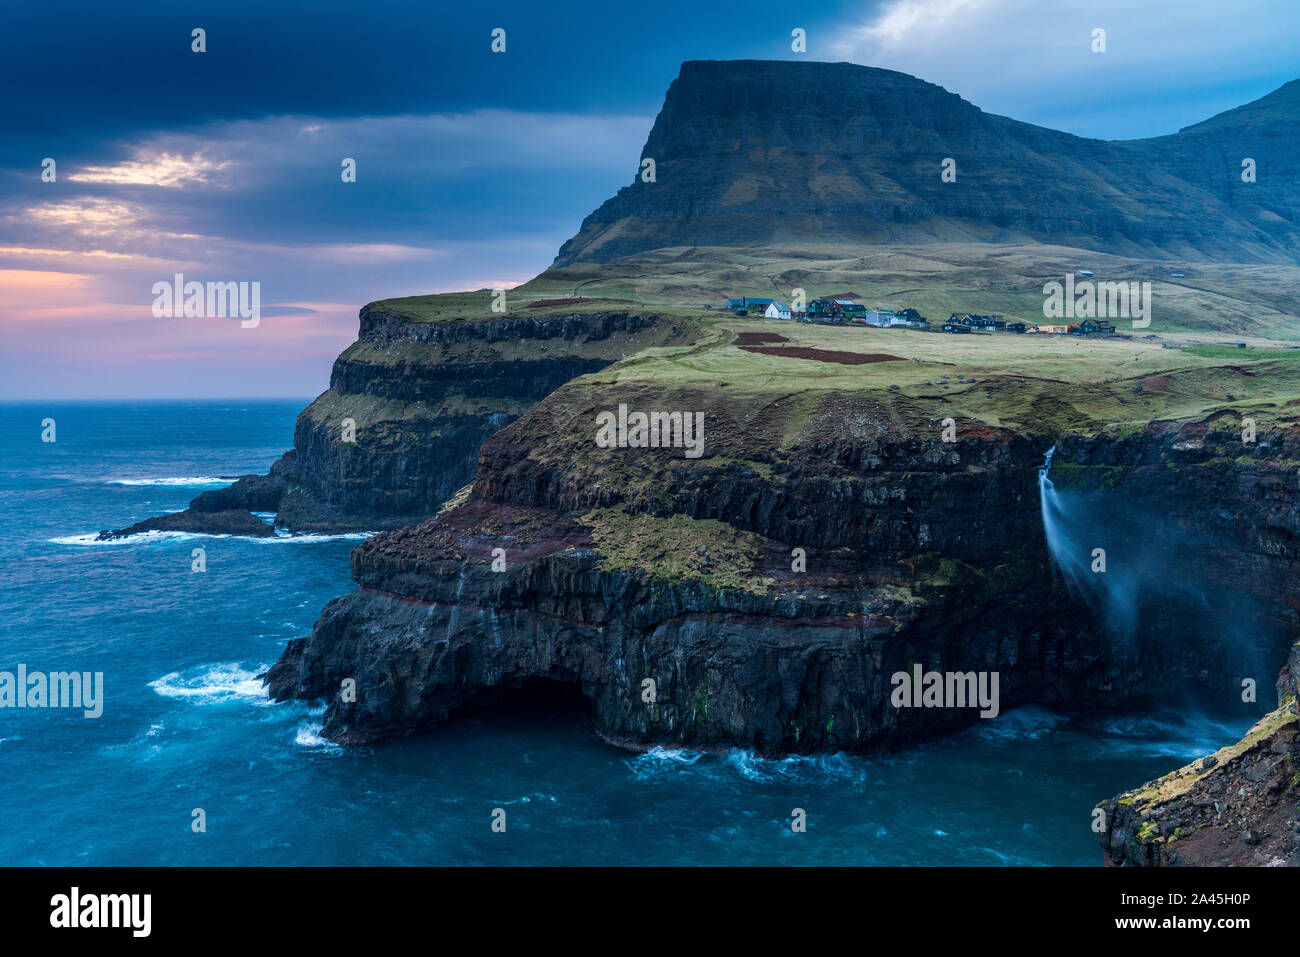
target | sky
[{"x": 472, "y": 166}]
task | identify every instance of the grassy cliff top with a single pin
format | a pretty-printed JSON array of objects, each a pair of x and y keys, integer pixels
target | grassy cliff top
[
  {"x": 1184, "y": 364},
  {"x": 477, "y": 305},
  {"x": 1215, "y": 300},
  {"x": 1046, "y": 383}
]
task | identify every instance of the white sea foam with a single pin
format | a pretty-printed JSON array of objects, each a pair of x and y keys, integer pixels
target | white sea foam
[
  {"x": 179, "y": 481},
  {"x": 807, "y": 768},
  {"x": 213, "y": 684},
  {"x": 308, "y": 735},
  {"x": 659, "y": 759},
  {"x": 308, "y": 538},
  {"x": 139, "y": 538},
  {"x": 144, "y": 538},
  {"x": 838, "y": 766}
]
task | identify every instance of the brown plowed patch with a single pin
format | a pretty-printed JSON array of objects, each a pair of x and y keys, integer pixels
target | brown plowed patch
[
  {"x": 757, "y": 338},
  {"x": 823, "y": 355}
]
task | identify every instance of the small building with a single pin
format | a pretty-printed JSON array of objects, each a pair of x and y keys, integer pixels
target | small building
[
  {"x": 1053, "y": 330},
  {"x": 744, "y": 306},
  {"x": 822, "y": 309},
  {"x": 1017, "y": 327},
  {"x": 881, "y": 318},
  {"x": 777, "y": 310},
  {"x": 1083, "y": 273},
  {"x": 1092, "y": 327},
  {"x": 957, "y": 327},
  {"x": 850, "y": 309}
]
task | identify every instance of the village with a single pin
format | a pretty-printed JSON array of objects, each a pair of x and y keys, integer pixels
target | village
[{"x": 844, "y": 311}]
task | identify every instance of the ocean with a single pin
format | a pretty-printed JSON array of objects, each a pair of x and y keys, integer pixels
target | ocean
[{"x": 186, "y": 727}]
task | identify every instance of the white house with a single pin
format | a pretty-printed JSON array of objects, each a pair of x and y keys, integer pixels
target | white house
[
  {"x": 883, "y": 318},
  {"x": 777, "y": 310}
]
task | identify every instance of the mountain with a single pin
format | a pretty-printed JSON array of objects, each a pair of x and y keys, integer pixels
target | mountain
[{"x": 775, "y": 151}]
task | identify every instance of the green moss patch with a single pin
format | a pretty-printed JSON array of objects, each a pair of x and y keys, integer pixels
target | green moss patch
[{"x": 677, "y": 548}]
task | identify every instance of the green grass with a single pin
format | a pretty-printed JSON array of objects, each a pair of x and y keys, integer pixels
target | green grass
[
  {"x": 1208, "y": 302},
  {"x": 1049, "y": 384},
  {"x": 1235, "y": 352},
  {"x": 676, "y": 548}
]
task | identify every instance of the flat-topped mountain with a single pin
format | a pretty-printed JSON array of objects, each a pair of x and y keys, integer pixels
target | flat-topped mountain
[{"x": 755, "y": 151}]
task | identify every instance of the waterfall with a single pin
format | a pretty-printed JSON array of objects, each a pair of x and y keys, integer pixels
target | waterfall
[{"x": 1071, "y": 542}]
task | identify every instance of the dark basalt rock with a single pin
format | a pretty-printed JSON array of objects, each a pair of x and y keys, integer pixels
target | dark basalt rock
[
  {"x": 1237, "y": 807},
  {"x": 232, "y": 521},
  {"x": 251, "y": 493},
  {"x": 919, "y": 552},
  {"x": 222, "y": 511}
]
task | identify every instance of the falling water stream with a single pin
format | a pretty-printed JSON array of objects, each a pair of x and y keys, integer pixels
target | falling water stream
[{"x": 1075, "y": 545}]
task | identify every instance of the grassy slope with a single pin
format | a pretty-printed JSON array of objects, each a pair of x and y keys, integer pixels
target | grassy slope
[
  {"x": 1209, "y": 300},
  {"x": 1051, "y": 383}
]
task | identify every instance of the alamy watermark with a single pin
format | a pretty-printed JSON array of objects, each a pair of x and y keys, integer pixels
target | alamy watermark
[
  {"x": 1098, "y": 300},
  {"x": 57, "y": 689},
  {"x": 946, "y": 689},
  {"x": 214, "y": 300},
  {"x": 128, "y": 911},
  {"x": 651, "y": 430}
]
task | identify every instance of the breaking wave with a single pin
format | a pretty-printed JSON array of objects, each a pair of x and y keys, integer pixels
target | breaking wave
[
  {"x": 213, "y": 684},
  {"x": 182, "y": 481}
]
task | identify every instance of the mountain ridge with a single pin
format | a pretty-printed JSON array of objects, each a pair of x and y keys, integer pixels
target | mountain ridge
[{"x": 755, "y": 151}]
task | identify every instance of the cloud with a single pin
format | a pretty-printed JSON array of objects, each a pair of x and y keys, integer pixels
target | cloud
[
  {"x": 154, "y": 168},
  {"x": 1168, "y": 63},
  {"x": 440, "y": 202}
]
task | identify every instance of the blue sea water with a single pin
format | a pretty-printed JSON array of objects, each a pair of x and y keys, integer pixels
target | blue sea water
[{"x": 186, "y": 725}]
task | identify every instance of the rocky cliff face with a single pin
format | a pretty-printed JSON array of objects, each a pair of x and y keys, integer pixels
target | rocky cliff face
[
  {"x": 424, "y": 396},
  {"x": 1237, "y": 806},
  {"x": 614, "y": 567},
  {"x": 764, "y": 151}
]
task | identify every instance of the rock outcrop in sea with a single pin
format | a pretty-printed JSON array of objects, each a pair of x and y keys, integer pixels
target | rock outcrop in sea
[
  {"x": 1239, "y": 806},
  {"x": 409, "y": 404}
]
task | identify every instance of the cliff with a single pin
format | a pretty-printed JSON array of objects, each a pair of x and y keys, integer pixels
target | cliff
[
  {"x": 614, "y": 566},
  {"x": 1237, "y": 806},
  {"x": 424, "y": 395},
  {"x": 409, "y": 404},
  {"x": 756, "y": 152}
]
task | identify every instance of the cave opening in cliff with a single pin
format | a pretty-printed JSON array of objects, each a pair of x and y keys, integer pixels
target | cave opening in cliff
[{"x": 531, "y": 698}]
